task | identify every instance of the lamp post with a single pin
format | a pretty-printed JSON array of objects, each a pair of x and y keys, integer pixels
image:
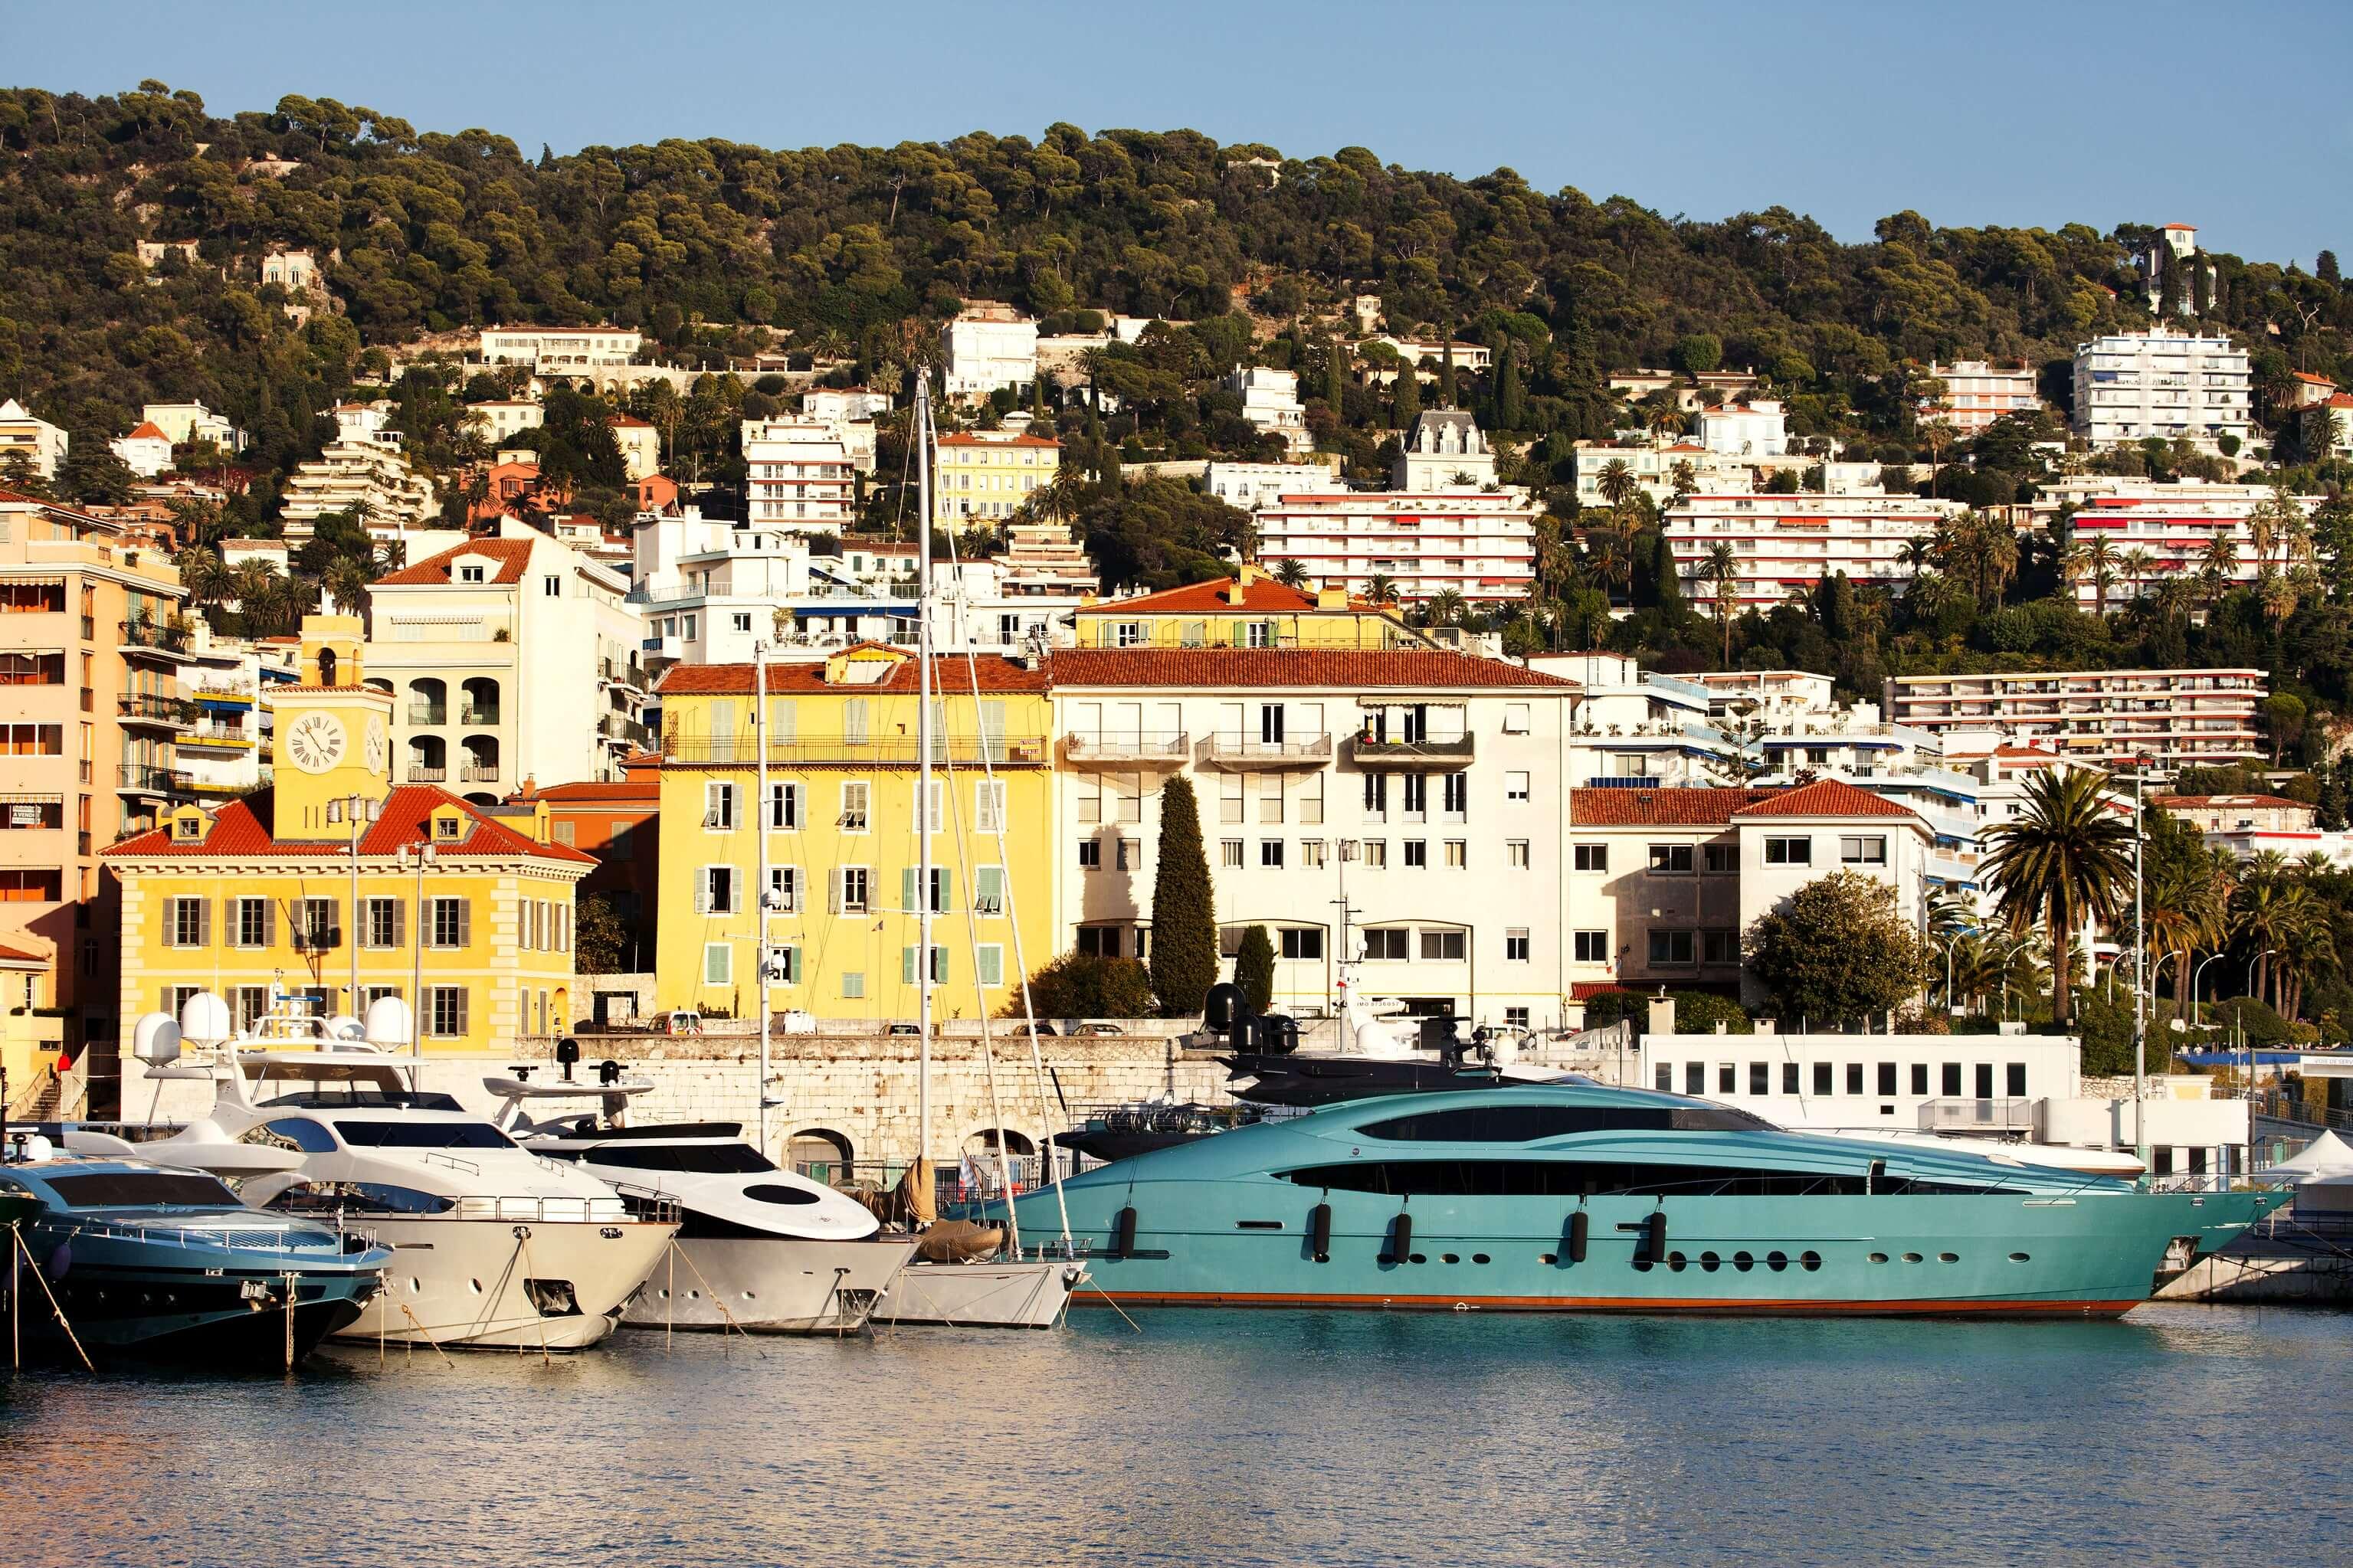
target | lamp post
[
  {"x": 356, "y": 811},
  {"x": 422, "y": 855},
  {"x": 2249, "y": 1041}
]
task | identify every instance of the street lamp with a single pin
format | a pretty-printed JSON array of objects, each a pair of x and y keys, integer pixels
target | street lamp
[
  {"x": 358, "y": 810},
  {"x": 421, "y": 855}
]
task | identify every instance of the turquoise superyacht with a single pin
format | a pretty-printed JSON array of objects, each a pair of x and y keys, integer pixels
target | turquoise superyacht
[{"x": 1578, "y": 1197}]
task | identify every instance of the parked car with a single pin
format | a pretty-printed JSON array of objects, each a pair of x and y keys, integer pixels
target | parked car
[
  {"x": 684, "y": 1022},
  {"x": 916, "y": 1030},
  {"x": 1097, "y": 1029}
]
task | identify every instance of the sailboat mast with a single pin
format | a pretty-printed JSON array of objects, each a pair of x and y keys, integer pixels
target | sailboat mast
[
  {"x": 760, "y": 888},
  {"x": 924, "y": 773}
]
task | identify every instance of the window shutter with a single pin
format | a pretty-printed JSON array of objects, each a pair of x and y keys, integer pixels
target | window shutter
[
  {"x": 947, "y": 889},
  {"x": 399, "y": 923},
  {"x": 906, "y": 966},
  {"x": 833, "y": 889},
  {"x": 464, "y": 939},
  {"x": 270, "y": 923},
  {"x": 702, "y": 892},
  {"x": 992, "y": 966},
  {"x": 334, "y": 922},
  {"x": 907, "y": 891},
  {"x": 988, "y": 889},
  {"x": 464, "y": 992},
  {"x": 563, "y": 926},
  {"x": 939, "y": 965}
]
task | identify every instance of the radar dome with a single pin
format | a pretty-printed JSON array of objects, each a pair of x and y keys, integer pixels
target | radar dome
[
  {"x": 156, "y": 1039},
  {"x": 388, "y": 1022}
]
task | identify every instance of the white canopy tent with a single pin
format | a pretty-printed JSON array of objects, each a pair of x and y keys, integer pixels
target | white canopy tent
[{"x": 2321, "y": 1172}]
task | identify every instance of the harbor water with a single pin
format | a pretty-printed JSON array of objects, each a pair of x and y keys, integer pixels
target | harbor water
[{"x": 2181, "y": 1433}]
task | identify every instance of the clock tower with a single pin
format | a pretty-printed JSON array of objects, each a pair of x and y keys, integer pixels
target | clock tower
[{"x": 333, "y": 734}]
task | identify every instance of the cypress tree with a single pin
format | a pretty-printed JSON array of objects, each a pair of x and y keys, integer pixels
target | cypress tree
[
  {"x": 1406, "y": 394},
  {"x": 1335, "y": 378},
  {"x": 1446, "y": 367},
  {"x": 1184, "y": 917},
  {"x": 1254, "y": 968},
  {"x": 1508, "y": 412}
]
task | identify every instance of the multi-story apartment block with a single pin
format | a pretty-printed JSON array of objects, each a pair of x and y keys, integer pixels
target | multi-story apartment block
[
  {"x": 501, "y": 419},
  {"x": 1043, "y": 558},
  {"x": 2160, "y": 534},
  {"x": 24, "y": 436},
  {"x": 1271, "y": 401},
  {"x": 362, "y": 472},
  {"x": 1794, "y": 541},
  {"x": 798, "y": 475},
  {"x": 223, "y": 746},
  {"x": 1444, "y": 451},
  {"x": 1756, "y": 429},
  {"x": 850, "y": 412},
  {"x": 1250, "y": 610},
  {"x": 557, "y": 351},
  {"x": 987, "y": 346},
  {"x": 339, "y": 885},
  {"x": 1665, "y": 881},
  {"x": 1480, "y": 544},
  {"x": 1250, "y": 486},
  {"x": 2162, "y": 383},
  {"x": 1657, "y": 469},
  {"x": 988, "y": 474},
  {"x": 2106, "y": 719},
  {"x": 513, "y": 659},
  {"x": 841, "y": 902},
  {"x": 1401, "y": 807},
  {"x": 617, "y": 824},
  {"x": 91, "y": 645},
  {"x": 1979, "y": 392}
]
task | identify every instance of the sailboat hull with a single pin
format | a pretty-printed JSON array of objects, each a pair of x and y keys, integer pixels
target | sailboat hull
[
  {"x": 1024, "y": 1294},
  {"x": 768, "y": 1285}
]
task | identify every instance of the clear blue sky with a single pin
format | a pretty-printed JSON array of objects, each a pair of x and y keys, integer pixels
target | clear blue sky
[{"x": 2232, "y": 118}]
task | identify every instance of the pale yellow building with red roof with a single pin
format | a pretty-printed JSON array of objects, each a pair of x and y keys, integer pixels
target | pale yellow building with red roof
[
  {"x": 986, "y": 475},
  {"x": 1252, "y": 609}
]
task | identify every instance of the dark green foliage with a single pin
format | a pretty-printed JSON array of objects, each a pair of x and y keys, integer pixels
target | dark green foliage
[
  {"x": 2262, "y": 1025},
  {"x": 1699, "y": 1011},
  {"x": 1604, "y": 1008},
  {"x": 1254, "y": 968},
  {"x": 600, "y": 938},
  {"x": 1078, "y": 985},
  {"x": 2106, "y": 1024},
  {"x": 1183, "y": 919},
  {"x": 1837, "y": 953},
  {"x": 1161, "y": 533}
]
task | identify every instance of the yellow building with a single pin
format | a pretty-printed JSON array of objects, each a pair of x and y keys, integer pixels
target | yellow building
[
  {"x": 337, "y": 887},
  {"x": 1252, "y": 610},
  {"x": 839, "y": 817},
  {"x": 989, "y": 473}
]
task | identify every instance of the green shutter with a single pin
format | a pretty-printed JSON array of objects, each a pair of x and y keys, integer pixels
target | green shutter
[
  {"x": 992, "y": 966},
  {"x": 906, "y": 966},
  {"x": 907, "y": 904},
  {"x": 947, "y": 888},
  {"x": 988, "y": 889}
]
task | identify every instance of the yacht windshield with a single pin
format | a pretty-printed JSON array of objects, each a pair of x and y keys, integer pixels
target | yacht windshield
[
  {"x": 124, "y": 1189},
  {"x": 422, "y": 1134},
  {"x": 700, "y": 1159}
]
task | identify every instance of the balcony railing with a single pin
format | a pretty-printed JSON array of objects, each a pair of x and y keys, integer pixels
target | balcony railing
[
  {"x": 1008, "y": 750},
  {"x": 1163, "y": 746},
  {"x": 1976, "y": 1115},
  {"x": 613, "y": 727},
  {"x": 420, "y": 774},
  {"x": 1622, "y": 781},
  {"x": 147, "y": 708},
  {"x": 478, "y": 772},
  {"x": 427, "y": 713},
  {"x": 216, "y": 735},
  {"x": 137, "y": 778},
  {"x": 1248, "y": 753},
  {"x": 160, "y": 636},
  {"x": 1370, "y": 753},
  {"x": 478, "y": 715}
]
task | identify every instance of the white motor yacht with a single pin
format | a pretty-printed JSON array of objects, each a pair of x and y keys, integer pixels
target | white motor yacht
[
  {"x": 759, "y": 1248},
  {"x": 494, "y": 1247}
]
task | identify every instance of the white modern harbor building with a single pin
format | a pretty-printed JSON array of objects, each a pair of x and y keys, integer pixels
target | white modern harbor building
[
  {"x": 1784, "y": 542},
  {"x": 2166, "y": 383}
]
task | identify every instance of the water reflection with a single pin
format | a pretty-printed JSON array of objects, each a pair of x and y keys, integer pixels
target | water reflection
[{"x": 1224, "y": 1437}]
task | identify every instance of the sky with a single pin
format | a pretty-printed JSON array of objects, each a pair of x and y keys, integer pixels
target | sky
[{"x": 1987, "y": 113}]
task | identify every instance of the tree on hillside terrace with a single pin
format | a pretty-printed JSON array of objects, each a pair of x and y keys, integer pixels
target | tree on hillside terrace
[
  {"x": 1837, "y": 953},
  {"x": 1184, "y": 914}
]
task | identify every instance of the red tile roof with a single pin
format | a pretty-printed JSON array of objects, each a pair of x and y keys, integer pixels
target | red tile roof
[
  {"x": 10, "y": 954},
  {"x": 512, "y": 554},
  {"x": 628, "y": 421},
  {"x": 949, "y": 676},
  {"x": 242, "y": 827},
  {"x": 146, "y": 432},
  {"x": 1707, "y": 806},
  {"x": 642, "y": 792},
  {"x": 998, "y": 441},
  {"x": 1262, "y": 595},
  {"x": 1825, "y": 797},
  {"x": 1258, "y": 669},
  {"x": 1585, "y": 990}
]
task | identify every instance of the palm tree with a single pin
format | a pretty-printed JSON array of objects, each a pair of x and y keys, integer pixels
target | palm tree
[
  {"x": 2183, "y": 912},
  {"x": 1723, "y": 569},
  {"x": 1616, "y": 481},
  {"x": 2138, "y": 564},
  {"x": 2217, "y": 566},
  {"x": 203, "y": 574},
  {"x": 1288, "y": 571},
  {"x": 1606, "y": 557},
  {"x": 1381, "y": 588},
  {"x": 1445, "y": 608},
  {"x": 346, "y": 581},
  {"x": 2058, "y": 864},
  {"x": 2094, "y": 560},
  {"x": 1685, "y": 479}
]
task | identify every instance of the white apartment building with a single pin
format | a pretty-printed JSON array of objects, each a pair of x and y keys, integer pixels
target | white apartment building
[
  {"x": 362, "y": 471},
  {"x": 185, "y": 424},
  {"x": 798, "y": 475},
  {"x": 1758, "y": 429},
  {"x": 1654, "y": 464},
  {"x": 509, "y": 659},
  {"x": 22, "y": 433},
  {"x": 1043, "y": 558},
  {"x": 501, "y": 418},
  {"x": 1444, "y": 451},
  {"x": 2104, "y": 719},
  {"x": 1481, "y": 546},
  {"x": 709, "y": 589},
  {"x": 2175, "y": 524},
  {"x": 1979, "y": 392},
  {"x": 1665, "y": 881},
  {"x": 1405, "y": 805},
  {"x": 2131, "y": 386},
  {"x": 561, "y": 351},
  {"x": 146, "y": 451},
  {"x": 223, "y": 750},
  {"x": 1270, "y": 403},
  {"x": 1794, "y": 541},
  {"x": 850, "y": 412},
  {"x": 987, "y": 345},
  {"x": 1250, "y": 486}
]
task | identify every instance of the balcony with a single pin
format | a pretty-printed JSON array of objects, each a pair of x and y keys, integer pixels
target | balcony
[
  {"x": 1413, "y": 756},
  {"x": 485, "y": 716},
  {"x": 631, "y": 674},
  {"x": 420, "y": 774},
  {"x": 742, "y": 751},
  {"x": 478, "y": 772},
  {"x": 217, "y": 738},
  {"x": 1248, "y": 754},
  {"x": 1126, "y": 749},
  {"x": 1988, "y": 1116},
  {"x": 1623, "y": 781},
  {"x": 139, "y": 779},
  {"x": 623, "y": 732},
  {"x": 149, "y": 708},
  {"x": 160, "y": 638},
  {"x": 427, "y": 713},
  {"x": 670, "y": 648}
]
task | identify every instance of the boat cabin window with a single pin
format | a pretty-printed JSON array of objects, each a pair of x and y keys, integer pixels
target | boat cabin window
[
  {"x": 291, "y": 1132},
  {"x": 700, "y": 1159},
  {"x": 123, "y": 1189},
  {"x": 360, "y": 1198},
  {"x": 1526, "y": 1123},
  {"x": 778, "y": 1193},
  {"x": 422, "y": 1134},
  {"x": 363, "y": 1100},
  {"x": 1570, "y": 1178}
]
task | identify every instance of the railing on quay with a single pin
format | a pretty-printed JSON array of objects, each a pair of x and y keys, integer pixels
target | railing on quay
[{"x": 1976, "y": 1115}]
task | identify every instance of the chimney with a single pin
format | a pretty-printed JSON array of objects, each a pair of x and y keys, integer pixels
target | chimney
[
  {"x": 1662, "y": 1020},
  {"x": 1332, "y": 596}
]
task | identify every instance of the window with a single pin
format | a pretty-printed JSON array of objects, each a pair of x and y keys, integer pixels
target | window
[
  {"x": 1443, "y": 946},
  {"x": 1671, "y": 860},
  {"x": 1515, "y": 1018},
  {"x": 1515, "y": 718},
  {"x": 1455, "y": 796},
  {"x": 380, "y": 922},
  {"x": 1789, "y": 851},
  {"x": 1720, "y": 946},
  {"x": 1719, "y": 860},
  {"x": 715, "y": 891},
  {"x": 1091, "y": 854},
  {"x": 1862, "y": 852},
  {"x": 188, "y": 921},
  {"x": 470, "y": 574},
  {"x": 1662, "y": 1077},
  {"x": 1417, "y": 797},
  {"x": 939, "y": 965},
  {"x": 1670, "y": 947},
  {"x": 256, "y": 922},
  {"x": 1821, "y": 1077},
  {"x": 1099, "y": 941},
  {"x": 320, "y": 929},
  {"x": 1591, "y": 857},
  {"x": 1302, "y": 943},
  {"x": 1229, "y": 853},
  {"x": 989, "y": 806},
  {"x": 852, "y": 888},
  {"x": 1515, "y": 789},
  {"x": 1886, "y": 1080},
  {"x": 1269, "y": 854},
  {"x": 785, "y": 888},
  {"x": 1376, "y": 797},
  {"x": 1789, "y": 1078},
  {"x": 1386, "y": 944},
  {"x": 1377, "y": 853},
  {"x": 1515, "y": 854},
  {"x": 451, "y": 922},
  {"x": 1920, "y": 1079},
  {"x": 1127, "y": 634},
  {"x": 2013, "y": 1077},
  {"x": 1949, "y": 1080},
  {"x": 718, "y": 964},
  {"x": 1311, "y": 854},
  {"x": 1416, "y": 852},
  {"x": 718, "y": 808},
  {"x": 783, "y": 808},
  {"x": 1516, "y": 945},
  {"x": 551, "y": 587},
  {"x": 1695, "y": 1078},
  {"x": 988, "y": 961},
  {"x": 988, "y": 889},
  {"x": 1760, "y": 1077},
  {"x": 1984, "y": 1076},
  {"x": 1130, "y": 854},
  {"x": 853, "y": 985},
  {"x": 739, "y": 621},
  {"x": 1590, "y": 946},
  {"x": 445, "y": 1011},
  {"x": 1854, "y": 1078},
  {"x": 857, "y": 796},
  {"x": 942, "y": 889}
]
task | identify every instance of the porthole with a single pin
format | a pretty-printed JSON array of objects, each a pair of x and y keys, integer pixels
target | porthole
[
  {"x": 748, "y": 1295},
  {"x": 1448, "y": 1257},
  {"x": 1879, "y": 1258},
  {"x": 1948, "y": 1258},
  {"x": 1710, "y": 1261},
  {"x": 1479, "y": 1258},
  {"x": 663, "y": 1294},
  {"x": 1743, "y": 1262},
  {"x": 1418, "y": 1258},
  {"x": 2018, "y": 1258},
  {"x": 1911, "y": 1258},
  {"x": 1677, "y": 1262},
  {"x": 477, "y": 1285},
  {"x": 697, "y": 1295},
  {"x": 1641, "y": 1265},
  {"x": 1776, "y": 1261},
  {"x": 415, "y": 1284}
]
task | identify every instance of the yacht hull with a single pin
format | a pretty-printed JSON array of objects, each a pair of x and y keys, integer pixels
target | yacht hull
[
  {"x": 768, "y": 1285},
  {"x": 488, "y": 1284},
  {"x": 1023, "y": 1294},
  {"x": 1249, "y": 1242},
  {"x": 224, "y": 1308}
]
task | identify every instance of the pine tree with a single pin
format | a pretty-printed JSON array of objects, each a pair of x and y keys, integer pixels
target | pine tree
[
  {"x": 1508, "y": 410},
  {"x": 1254, "y": 968},
  {"x": 1407, "y": 392},
  {"x": 1184, "y": 917}
]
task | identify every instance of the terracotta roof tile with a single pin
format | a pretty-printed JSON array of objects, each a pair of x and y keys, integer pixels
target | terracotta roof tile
[
  {"x": 512, "y": 554},
  {"x": 242, "y": 828},
  {"x": 2198, "y": 802},
  {"x": 1263, "y": 596},
  {"x": 146, "y": 432},
  {"x": 1705, "y": 806},
  {"x": 1258, "y": 669},
  {"x": 619, "y": 792},
  {"x": 949, "y": 677},
  {"x": 1825, "y": 797}
]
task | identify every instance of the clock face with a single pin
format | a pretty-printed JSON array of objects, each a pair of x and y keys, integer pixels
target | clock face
[
  {"x": 379, "y": 746},
  {"x": 315, "y": 743}
]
